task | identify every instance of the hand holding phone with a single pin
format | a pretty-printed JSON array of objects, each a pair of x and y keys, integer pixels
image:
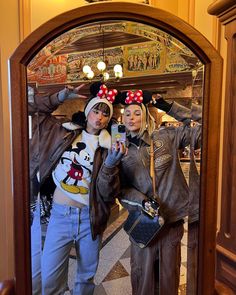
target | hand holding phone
[
  {"x": 118, "y": 145},
  {"x": 118, "y": 134}
]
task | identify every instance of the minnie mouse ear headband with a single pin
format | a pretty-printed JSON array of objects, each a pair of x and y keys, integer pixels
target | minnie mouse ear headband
[
  {"x": 135, "y": 97},
  {"x": 100, "y": 94}
]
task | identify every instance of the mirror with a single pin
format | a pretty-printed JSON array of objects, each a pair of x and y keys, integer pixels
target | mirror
[
  {"x": 151, "y": 59},
  {"x": 184, "y": 72}
]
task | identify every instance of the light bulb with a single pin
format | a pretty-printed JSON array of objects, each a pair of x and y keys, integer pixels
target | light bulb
[
  {"x": 119, "y": 74},
  {"x": 194, "y": 73},
  {"x": 105, "y": 76},
  {"x": 90, "y": 75},
  {"x": 86, "y": 69},
  {"x": 101, "y": 66},
  {"x": 117, "y": 68}
]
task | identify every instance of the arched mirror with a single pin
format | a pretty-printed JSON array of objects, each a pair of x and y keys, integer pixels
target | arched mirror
[{"x": 166, "y": 57}]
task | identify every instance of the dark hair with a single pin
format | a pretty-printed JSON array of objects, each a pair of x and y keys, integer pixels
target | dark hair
[
  {"x": 103, "y": 107},
  {"x": 80, "y": 119},
  {"x": 94, "y": 88}
]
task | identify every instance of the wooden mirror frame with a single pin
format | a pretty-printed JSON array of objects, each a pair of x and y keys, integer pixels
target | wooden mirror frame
[{"x": 211, "y": 124}]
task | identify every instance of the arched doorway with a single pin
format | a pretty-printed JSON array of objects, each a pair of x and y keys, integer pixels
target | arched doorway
[{"x": 211, "y": 105}]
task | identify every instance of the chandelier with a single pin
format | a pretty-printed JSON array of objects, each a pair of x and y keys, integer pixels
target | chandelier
[{"x": 102, "y": 66}]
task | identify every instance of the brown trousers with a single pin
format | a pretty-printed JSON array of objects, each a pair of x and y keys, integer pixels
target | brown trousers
[
  {"x": 156, "y": 268},
  {"x": 192, "y": 258}
]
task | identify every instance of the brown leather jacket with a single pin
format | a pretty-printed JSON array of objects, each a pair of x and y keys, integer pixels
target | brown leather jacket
[
  {"x": 171, "y": 185},
  {"x": 49, "y": 140},
  {"x": 194, "y": 173}
]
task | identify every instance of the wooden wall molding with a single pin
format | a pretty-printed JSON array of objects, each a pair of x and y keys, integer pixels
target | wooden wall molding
[
  {"x": 216, "y": 33},
  {"x": 7, "y": 287},
  {"x": 222, "y": 289},
  {"x": 226, "y": 238},
  {"x": 220, "y": 6},
  {"x": 25, "y": 18},
  {"x": 191, "y": 17},
  {"x": 225, "y": 10}
]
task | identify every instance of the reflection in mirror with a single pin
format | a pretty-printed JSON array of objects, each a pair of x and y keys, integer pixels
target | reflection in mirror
[
  {"x": 194, "y": 177},
  {"x": 152, "y": 60},
  {"x": 34, "y": 150}
]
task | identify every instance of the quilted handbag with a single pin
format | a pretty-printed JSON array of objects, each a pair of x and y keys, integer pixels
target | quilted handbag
[{"x": 141, "y": 226}]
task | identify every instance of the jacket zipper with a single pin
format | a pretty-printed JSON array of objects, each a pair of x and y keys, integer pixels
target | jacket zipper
[{"x": 145, "y": 167}]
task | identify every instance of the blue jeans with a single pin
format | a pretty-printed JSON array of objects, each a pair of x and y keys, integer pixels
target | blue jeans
[
  {"x": 36, "y": 252},
  {"x": 68, "y": 225}
]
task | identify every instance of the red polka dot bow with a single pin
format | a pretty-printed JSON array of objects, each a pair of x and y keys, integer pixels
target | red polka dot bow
[
  {"x": 132, "y": 97},
  {"x": 110, "y": 95}
]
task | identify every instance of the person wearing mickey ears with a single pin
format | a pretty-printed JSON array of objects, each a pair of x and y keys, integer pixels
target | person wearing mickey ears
[
  {"x": 72, "y": 154},
  {"x": 155, "y": 269}
]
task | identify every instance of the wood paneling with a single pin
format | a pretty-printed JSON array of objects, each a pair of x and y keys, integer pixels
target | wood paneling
[
  {"x": 93, "y": 42},
  {"x": 154, "y": 83},
  {"x": 7, "y": 287},
  {"x": 226, "y": 239}
]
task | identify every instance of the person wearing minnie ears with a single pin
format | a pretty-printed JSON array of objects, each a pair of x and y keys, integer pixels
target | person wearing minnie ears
[
  {"x": 73, "y": 153},
  {"x": 155, "y": 269}
]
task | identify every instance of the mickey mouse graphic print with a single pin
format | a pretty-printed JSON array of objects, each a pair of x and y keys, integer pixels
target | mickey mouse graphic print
[{"x": 73, "y": 172}]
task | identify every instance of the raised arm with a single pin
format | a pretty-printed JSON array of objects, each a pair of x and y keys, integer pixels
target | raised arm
[{"x": 49, "y": 103}]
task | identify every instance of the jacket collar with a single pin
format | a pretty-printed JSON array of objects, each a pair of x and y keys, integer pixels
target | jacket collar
[
  {"x": 104, "y": 138},
  {"x": 145, "y": 138},
  {"x": 70, "y": 126}
]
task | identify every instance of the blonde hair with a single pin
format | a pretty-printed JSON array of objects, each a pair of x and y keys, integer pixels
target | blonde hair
[{"x": 147, "y": 121}]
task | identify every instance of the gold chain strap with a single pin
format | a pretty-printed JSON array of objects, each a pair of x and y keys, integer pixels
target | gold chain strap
[{"x": 152, "y": 169}]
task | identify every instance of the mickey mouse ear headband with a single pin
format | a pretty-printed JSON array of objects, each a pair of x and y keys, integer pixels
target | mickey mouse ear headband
[
  {"x": 135, "y": 97},
  {"x": 100, "y": 93}
]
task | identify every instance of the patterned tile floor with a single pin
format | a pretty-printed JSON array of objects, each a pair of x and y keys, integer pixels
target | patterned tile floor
[{"x": 113, "y": 275}]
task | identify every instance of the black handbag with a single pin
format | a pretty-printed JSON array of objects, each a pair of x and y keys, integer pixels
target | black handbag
[{"x": 143, "y": 226}]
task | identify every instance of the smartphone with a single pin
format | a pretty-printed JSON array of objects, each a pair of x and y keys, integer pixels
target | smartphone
[{"x": 118, "y": 134}]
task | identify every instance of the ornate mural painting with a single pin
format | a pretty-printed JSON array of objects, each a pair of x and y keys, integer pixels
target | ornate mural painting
[{"x": 159, "y": 54}]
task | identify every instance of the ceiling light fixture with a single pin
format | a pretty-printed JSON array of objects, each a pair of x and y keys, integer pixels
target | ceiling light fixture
[{"x": 101, "y": 66}]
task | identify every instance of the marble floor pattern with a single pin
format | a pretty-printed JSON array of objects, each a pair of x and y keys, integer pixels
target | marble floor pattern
[{"x": 113, "y": 274}]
